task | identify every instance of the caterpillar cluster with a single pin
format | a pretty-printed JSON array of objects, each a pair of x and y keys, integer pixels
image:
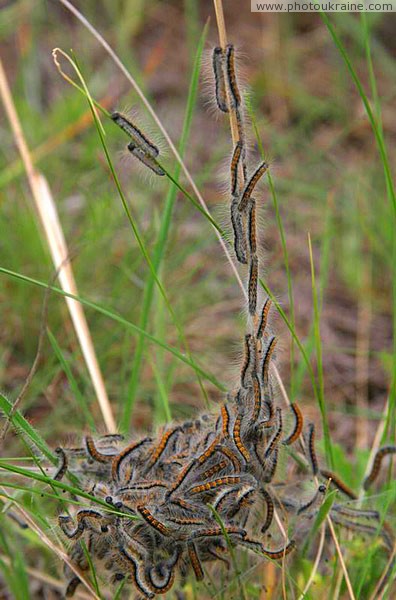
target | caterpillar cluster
[{"x": 186, "y": 496}]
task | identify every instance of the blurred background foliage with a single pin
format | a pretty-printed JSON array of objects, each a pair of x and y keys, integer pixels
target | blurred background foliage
[{"x": 327, "y": 174}]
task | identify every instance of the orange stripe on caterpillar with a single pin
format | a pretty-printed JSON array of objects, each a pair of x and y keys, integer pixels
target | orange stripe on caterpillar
[
  {"x": 236, "y": 156},
  {"x": 125, "y": 454},
  {"x": 151, "y": 520},
  {"x": 161, "y": 447},
  {"x": 264, "y": 318},
  {"x": 94, "y": 453},
  {"x": 236, "y": 463},
  {"x": 215, "y": 469},
  {"x": 236, "y": 434},
  {"x": 184, "y": 473},
  {"x": 251, "y": 184},
  {"x": 252, "y": 285},
  {"x": 195, "y": 562},
  {"x": 267, "y": 359},
  {"x": 209, "y": 451},
  {"x": 211, "y": 485},
  {"x": 298, "y": 425},
  {"x": 225, "y": 418},
  {"x": 257, "y": 395},
  {"x": 276, "y": 437}
]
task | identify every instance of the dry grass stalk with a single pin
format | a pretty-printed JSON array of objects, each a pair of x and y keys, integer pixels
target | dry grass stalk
[{"x": 48, "y": 215}]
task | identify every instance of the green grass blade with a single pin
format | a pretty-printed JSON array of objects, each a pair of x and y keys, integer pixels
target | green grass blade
[
  {"x": 59, "y": 485},
  {"x": 319, "y": 360},
  {"x": 134, "y": 227},
  {"x": 376, "y": 129},
  {"x": 163, "y": 411},
  {"x": 378, "y": 134},
  {"x": 294, "y": 335},
  {"x": 72, "y": 381},
  {"x": 23, "y": 427},
  {"x": 161, "y": 243},
  {"x": 323, "y": 512},
  {"x": 285, "y": 251}
]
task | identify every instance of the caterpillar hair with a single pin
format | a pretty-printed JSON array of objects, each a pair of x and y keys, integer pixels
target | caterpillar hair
[
  {"x": 264, "y": 318},
  {"x": 220, "y": 466},
  {"x": 63, "y": 464},
  {"x": 317, "y": 497},
  {"x": 218, "y": 71},
  {"x": 298, "y": 425},
  {"x": 267, "y": 359},
  {"x": 161, "y": 447},
  {"x": 356, "y": 513},
  {"x": 195, "y": 562},
  {"x": 270, "y": 510},
  {"x": 252, "y": 226},
  {"x": 65, "y": 521},
  {"x": 180, "y": 479},
  {"x": 235, "y": 96},
  {"x": 125, "y": 455},
  {"x": 245, "y": 499},
  {"x": 223, "y": 497},
  {"x": 134, "y": 572},
  {"x": 277, "y": 435},
  {"x": 251, "y": 184},
  {"x": 210, "y": 450},
  {"x": 151, "y": 520},
  {"x": 112, "y": 437},
  {"x": 239, "y": 232},
  {"x": 257, "y": 395},
  {"x": 145, "y": 158},
  {"x": 155, "y": 586},
  {"x": 218, "y": 531},
  {"x": 311, "y": 449},
  {"x": 249, "y": 362},
  {"x": 236, "y": 463},
  {"x": 138, "y": 138},
  {"x": 252, "y": 285},
  {"x": 338, "y": 483},
  {"x": 72, "y": 586},
  {"x": 211, "y": 485},
  {"x": 94, "y": 453},
  {"x": 271, "y": 470},
  {"x": 236, "y": 434},
  {"x": 225, "y": 420},
  {"x": 375, "y": 469},
  {"x": 137, "y": 486},
  {"x": 235, "y": 161}
]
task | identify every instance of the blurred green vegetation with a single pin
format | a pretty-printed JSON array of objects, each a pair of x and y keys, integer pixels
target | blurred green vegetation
[{"x": 329, "y": 181}]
